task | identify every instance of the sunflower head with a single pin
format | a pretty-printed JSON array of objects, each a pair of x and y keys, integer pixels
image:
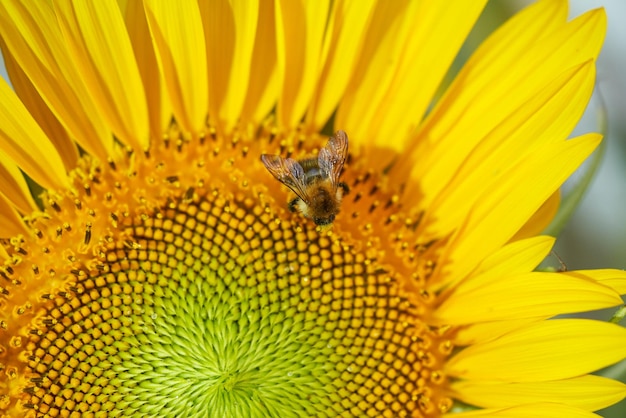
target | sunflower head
[{"x": 202, "y": 246}]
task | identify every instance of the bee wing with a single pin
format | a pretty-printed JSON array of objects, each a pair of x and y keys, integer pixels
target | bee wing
[
  {"x": 332, "y": 157},
  {"x": 289, "y": 172}
]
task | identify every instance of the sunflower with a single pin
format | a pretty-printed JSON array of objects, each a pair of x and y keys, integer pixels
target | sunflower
[{"x": 152, "y": 266}]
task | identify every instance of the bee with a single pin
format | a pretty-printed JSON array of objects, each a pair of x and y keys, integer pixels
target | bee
[{"x": 315, "y": 181}]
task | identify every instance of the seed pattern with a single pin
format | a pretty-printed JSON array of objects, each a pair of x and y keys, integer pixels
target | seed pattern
[{"x": 217, "y": 302}]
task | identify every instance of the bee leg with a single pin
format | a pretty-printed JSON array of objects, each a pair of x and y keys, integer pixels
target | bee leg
[
  {"x": 293, "y": 204},
  {"x": 344, "y": 187}
]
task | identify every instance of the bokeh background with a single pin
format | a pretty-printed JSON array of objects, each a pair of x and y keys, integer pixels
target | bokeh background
[{"x": 595, "y": 236}]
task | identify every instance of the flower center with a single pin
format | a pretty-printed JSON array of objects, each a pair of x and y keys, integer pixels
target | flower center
[{"x": 216, "y": 299}]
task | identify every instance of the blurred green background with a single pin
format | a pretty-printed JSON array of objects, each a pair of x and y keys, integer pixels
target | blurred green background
[{"x": 595, "y": 236}]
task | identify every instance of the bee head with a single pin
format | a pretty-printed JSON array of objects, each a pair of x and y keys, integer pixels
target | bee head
[{"x": 324, "y": 221}]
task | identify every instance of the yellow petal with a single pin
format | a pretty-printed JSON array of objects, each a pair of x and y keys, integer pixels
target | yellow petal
[
  {"x": 540, "y": 219},
  {"x": 615, "y": 279},
  {"x": 13, "y": 186},
  {"x": 507, "y": 71},
  {"x": 42, "y": 114},
  {"x": 230, "y": 27},
  {"x": 178, "y": 37},
  {"x": 300, "y": 32},
  {"x": 501, "y": 211},
  {"x": 534, "y": 410},
  {"x": 24, "y": 142},
  {"x": 383, "y": 48},
  {"x": 11, "y": 224},
  {"x": 159, "y": 108},
  {"x": 529, "y": 295},
  {"x": 481, "y": 332},
  {"x": 403, "y": 68},
  {"x": 549, "y": 350},
  {"x": 98, "y": 43},
  {"x": 342, "y": 48},
  {"x": 550, "y": 115},
  {"x": 514, "y": 258},
  {"x": 246, "y": 16},
  {"x": 33, "y": 36},
  {"x": 586, "y": 392},
  {"x": 263, "y": 87},
  {"x": 518, "y": 257}
]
